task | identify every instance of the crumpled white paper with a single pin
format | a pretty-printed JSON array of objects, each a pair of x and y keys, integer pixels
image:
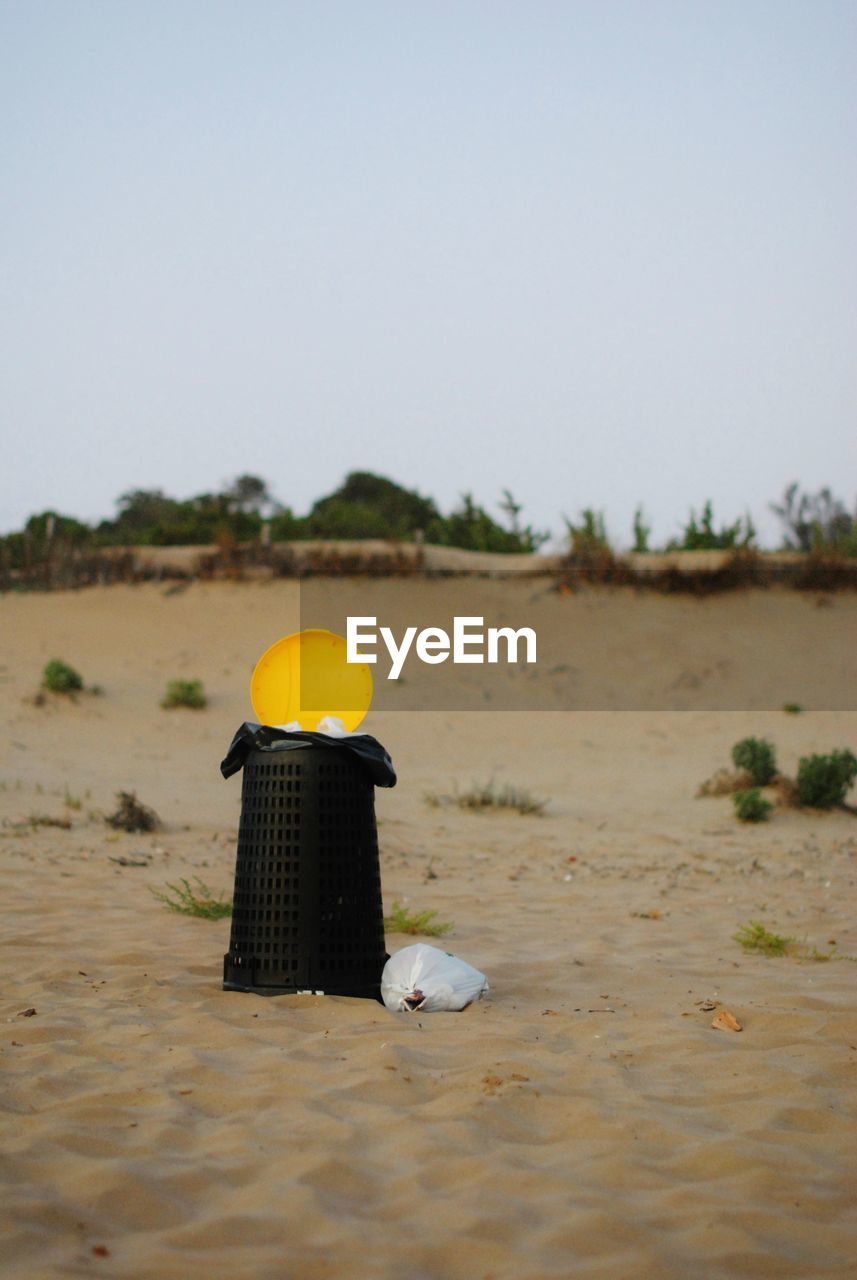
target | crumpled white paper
[
  {"x": 331, "y": 725},
  {"x": 429, "y": 980}
]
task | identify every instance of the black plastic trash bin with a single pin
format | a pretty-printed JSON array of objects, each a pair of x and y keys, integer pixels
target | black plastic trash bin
[{"x": 307, "y": 913}]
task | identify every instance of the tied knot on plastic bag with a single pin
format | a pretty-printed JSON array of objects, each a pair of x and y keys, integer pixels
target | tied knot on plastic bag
[{"x": 429, "y": 980}]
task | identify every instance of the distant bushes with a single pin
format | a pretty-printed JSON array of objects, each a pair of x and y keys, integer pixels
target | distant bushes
[
  {"x": 822, "y": 782},
  {"x": 816, "y": 522},
  {"x": 588, "y": 537},
  {"x": 370, "y": 506},
  {"x": 701, "y": 534},
  {"x": 364, "y": 506}
]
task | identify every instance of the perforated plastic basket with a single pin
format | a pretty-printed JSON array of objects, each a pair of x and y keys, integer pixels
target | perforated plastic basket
[{"x": 307, "y": 913}]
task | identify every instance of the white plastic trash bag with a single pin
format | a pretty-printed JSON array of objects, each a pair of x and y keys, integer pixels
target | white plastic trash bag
[
  {"x": 331, "y": 725},
  {"x": 429, "y": 980}
]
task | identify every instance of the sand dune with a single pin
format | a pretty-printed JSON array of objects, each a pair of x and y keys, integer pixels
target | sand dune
[{"x": 584, "y": 1119}]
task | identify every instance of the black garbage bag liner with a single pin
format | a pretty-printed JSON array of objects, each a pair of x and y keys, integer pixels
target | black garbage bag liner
[{"x": 264, "y": 737}]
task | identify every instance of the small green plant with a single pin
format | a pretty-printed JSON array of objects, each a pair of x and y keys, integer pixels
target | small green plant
[
  {"x": 757, "y": 756},
  {"x": 642, "y": 531},
  {"x": 792, "y": 708},
  {"x": 132, "y": 815},
  {"x": 823, "y": 780},
  {"x": 59, "y": 677},
  {"x": 590, "y": 534},
  {"x": 184, "y": 693},
  {"x": 751, "y": 806},
  {"x": 70, "y": 801},
  {"x": 816, "y": 522},
  {"x": 189, "y": 901},
  {"x": 489, "y": 795},
  {"x": 755, "y": 937},
  {"x": 401, "y": 920},
  {"x": 701, "y": 535}
]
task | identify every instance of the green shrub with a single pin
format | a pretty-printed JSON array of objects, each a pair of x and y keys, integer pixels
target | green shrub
[
  {"x": 792, "y": 708},
  {"x": 822, "y": 781},
  {"x": 757, "y": 756},
  {"x": 184, "y": 693},
  {"x": 751, "y": 806},
  {"x": 59, "y": 677}
]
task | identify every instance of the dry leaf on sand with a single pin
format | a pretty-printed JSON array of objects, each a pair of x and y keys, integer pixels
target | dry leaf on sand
[{"x": 726, "y": 1021}]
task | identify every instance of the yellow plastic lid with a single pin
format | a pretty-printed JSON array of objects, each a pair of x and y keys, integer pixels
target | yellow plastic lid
[{"x": 305, "y": 677}]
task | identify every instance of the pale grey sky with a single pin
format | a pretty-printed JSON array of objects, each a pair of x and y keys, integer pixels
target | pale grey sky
[{"x": 601, "y": 254}]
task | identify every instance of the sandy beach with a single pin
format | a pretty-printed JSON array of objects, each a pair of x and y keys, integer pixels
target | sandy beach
[{"x": 584, "y": 1119}]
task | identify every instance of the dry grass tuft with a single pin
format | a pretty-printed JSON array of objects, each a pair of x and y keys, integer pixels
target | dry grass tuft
[
  {"x": 45, "y": 820},
  {"x": 132, "y": 815},
  {"x": 725, "y": 782},
  {"x": 482, "y": 797},
  {"x": 786, "y": 791}
]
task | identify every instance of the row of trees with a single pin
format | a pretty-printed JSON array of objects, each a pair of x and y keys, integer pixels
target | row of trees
[
  {"x": 371, "y": 506},
  {"x": 364, "y": 506}
]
